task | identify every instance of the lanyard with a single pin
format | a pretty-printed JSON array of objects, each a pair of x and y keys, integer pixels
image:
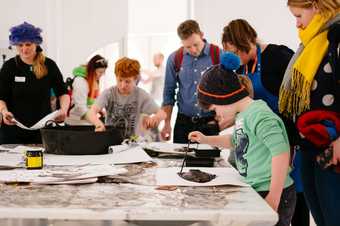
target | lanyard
[{"x": 256, "y": 65}]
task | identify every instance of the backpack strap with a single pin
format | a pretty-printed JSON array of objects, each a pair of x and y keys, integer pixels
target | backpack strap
[
  {"x": 214, "y": 54},
  {"x": 69, "y": 86},
  {"x": 69, "y": 83},
  {"x": 178, "y": 59}
]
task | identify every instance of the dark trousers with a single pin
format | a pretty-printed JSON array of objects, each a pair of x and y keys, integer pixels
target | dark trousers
[
  {"x": 321, "y": 189},
  {"x": 184, "y": 125},
  {"x": 301, "y": 214},
  {"x": 16, "y": 135},
  {"x": 286, "y": 205}
]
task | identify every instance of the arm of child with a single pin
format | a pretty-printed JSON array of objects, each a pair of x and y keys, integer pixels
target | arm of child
[
  {"x": 91, "y": 116},
  {"x": 271, "y": 130},
  {"x": 153, "y": 121},
  {"x": 223, "y": 141},
  {"x": 280, "y": 165}
]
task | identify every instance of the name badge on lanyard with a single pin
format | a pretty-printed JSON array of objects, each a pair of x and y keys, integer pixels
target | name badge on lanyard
[
  {"x": 19, "y": 79},
  {"x": 256, "y": 65}
]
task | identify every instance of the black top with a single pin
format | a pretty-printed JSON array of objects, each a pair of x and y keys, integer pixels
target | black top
[
  {"x": 325, "y": 90},
  {"x": 27, "y": 97},
  {"x": 274, "y": 61}
]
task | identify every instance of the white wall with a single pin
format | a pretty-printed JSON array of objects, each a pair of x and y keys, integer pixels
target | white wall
[
  {"x": 270, "y": 18},
  {"x": 88, "y": 25},
  {"x": 15, "y": 12},
  {"x": 72, "y": 29},
  {"x": 156, "y": 16},
  {"x": 152, "y": 28}
]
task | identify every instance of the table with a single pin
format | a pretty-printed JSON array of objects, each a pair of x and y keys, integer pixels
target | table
[{"x": 135, "y": 203}]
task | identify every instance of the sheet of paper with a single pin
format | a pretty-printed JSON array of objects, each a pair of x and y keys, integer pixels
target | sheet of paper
[
  {"x": 76, "y": 160},
  {"x": 224, "y": 176},
  {"x": 11, "y": 160},
  {"x": 82, "y": 181},
  {"x": 21, "y": 149},
  {"x": 132, "y": 155},
  {"x": 59, "y": 174},
  {"x": 39, "y": 124}
]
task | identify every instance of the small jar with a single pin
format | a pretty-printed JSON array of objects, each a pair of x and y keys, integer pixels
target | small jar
[{"x": 34, "y": 159}]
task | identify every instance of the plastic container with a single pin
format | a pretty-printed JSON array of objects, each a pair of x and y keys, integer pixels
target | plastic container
[
  {"x": 79, "y": 140},
  {"x": 34, "y": 159},
  {"x": 199, "y": 162}
]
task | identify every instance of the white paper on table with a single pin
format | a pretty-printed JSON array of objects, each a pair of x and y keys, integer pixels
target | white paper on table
[
  {"x": 82, "y": 181},
  {"x": 59, "y": 174},
  {"x": 224, "y": 176},
  {"x": 77, "y": 160},
  {"x": 39, "y": 124},
  {"x": 20, "y": 149},
  {"x": 11, "y": 160},
  {"x": 131, "y": 155}
]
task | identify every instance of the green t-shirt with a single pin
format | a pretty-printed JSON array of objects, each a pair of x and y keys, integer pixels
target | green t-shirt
[{"x": 259, "y": 135}]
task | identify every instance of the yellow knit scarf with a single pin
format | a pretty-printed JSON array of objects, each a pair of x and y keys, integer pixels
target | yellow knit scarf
[{"x": 295, "y": 99}]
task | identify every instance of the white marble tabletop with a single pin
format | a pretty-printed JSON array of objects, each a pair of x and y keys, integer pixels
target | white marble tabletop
[{"x": 134, "y": 203}]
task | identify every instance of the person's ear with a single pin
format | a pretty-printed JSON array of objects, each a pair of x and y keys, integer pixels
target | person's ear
[
  {"x": 315, "y": 7},
  {"x": 224, "y": 45},
  {"x": 138, "y": 79},
  {"x": 201, "y": 34}
]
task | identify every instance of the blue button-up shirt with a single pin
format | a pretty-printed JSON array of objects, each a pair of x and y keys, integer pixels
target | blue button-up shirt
[{"x": 189, "y": 77}]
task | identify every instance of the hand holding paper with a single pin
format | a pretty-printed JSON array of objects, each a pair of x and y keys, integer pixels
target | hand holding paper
[
  {"x": 39, "y": 124},
  {"x": 61, "y": 116},
  {"x": 8, "y": 117}
]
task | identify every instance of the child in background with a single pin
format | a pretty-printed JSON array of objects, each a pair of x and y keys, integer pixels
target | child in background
[
  {"x": 125, "y": 102},
  {"x": 259, "y": 138},
  {"x": 85, "y": 89}
]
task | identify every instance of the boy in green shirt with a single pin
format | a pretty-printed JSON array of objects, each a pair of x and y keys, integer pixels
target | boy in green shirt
[{"x": 259, "y": 138}]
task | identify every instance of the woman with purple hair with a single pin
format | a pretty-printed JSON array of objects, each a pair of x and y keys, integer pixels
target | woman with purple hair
[{"x": 26, "y": 81}]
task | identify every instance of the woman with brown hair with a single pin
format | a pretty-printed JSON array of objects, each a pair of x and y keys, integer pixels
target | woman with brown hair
[
  {"x": 264, "y": 64},
  {"x": 26, "y": 81},
  {"x": 85, "y": 89}
]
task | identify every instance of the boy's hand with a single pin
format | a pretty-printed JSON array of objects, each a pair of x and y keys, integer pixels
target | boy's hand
[
  {"x": 150, "y": 122},
  {"x": 273, "y": 201},
  {"x": 197, "y": 137},
  {"x": 61, "y": 116}
]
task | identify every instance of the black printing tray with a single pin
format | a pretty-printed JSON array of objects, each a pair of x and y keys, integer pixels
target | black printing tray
[
  {"x": 199, "y": 162},
  {"x": 207, "y": 153}
]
